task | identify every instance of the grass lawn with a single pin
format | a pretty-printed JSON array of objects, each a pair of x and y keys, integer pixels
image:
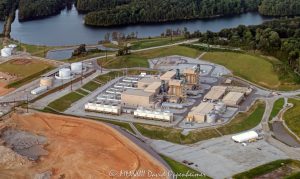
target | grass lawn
[
  {"x": 242, "y": 122},
  {"x": 91, "y": 86},
  {"x": 245, "y": 120},
  {"x": 140, "y": 59},
  {"x": 65, "y": 102},
  {"x": 153, "y": 42},
  {"x": 25, "y": 70},
  {"x": 179, "y": 168},
  {"x": 292, "y": 117},
  {"x": 270, "y": 167},
  {"x": 82, "y": 92},
  {"x": 249, "y": 67},
  {"x": 123, "y": 125},
  {"x": 278, "y": 105}
]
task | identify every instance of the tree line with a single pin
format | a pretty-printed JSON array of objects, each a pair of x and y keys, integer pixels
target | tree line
[
  {"x": 278, "y": 38},
  {"x": 5, "y": 7},
  {"x": 33, "y": 9},
  {"x": 150, "y": 11}
]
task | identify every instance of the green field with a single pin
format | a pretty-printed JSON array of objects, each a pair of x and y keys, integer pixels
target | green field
[
  {"x": 25, "y": 70},
  {"x": 278, "y": 105},
  {"x": 91, "y": 86},
  {"x": 153, "y": 42},
  {"x": 63, "y": 103},
  {"x": 181, "y": 169},
  {"x": 249, "y": 67},
  {"x": 243, "y": 121},
  {"x": 292, "y": 117},
  {"x": 82, "y": 92},
  {"x": 140, "y": 59},
  {"x": 287, "y": 165}
]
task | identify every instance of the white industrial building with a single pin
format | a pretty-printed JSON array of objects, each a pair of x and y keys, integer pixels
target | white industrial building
[
  {"x": 245, "y": 137},
  {"x": 102, "y": 108},
  {"x": 8, "y": 50},
  {"x": 156, "y": 115}
]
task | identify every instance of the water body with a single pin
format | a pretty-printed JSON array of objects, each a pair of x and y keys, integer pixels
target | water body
[
  {"x": 62, "y": 54},
  {"x": 1, "y": 25},
  {"x": 68, "y": 28}
]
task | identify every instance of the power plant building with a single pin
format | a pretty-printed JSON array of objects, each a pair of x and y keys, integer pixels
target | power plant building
[
  {"x": 145, "y": 82},
  {"x": 169, "y": 75},
  {"x": 153, "y": 88},
  {"x": 200, "y": 113},
  {"x": 176, "y": 88},
  {"x": 233, "y": 98},
  {"x": 137, "y": 98},
  {"x": 216, "y": 93},
  {"x": 192, "y": 76}
]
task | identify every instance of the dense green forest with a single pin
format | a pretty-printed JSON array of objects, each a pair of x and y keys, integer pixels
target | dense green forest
[
  {"x": 32, "y": 9},
  {"x": 5, "y": 7},
  {"x": 280, "y": 7},
  {"x": 147, "y": 11},
  {"x": 95, "y": 5},
  {"x": 278, "y": 38}
]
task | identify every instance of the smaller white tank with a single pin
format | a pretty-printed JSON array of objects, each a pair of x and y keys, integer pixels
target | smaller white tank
[
  {"x": 64, "y": 74},
  {"x": 220, "y": 107},
  {"x": 77, "y": 67},
  {"x": 211, "y": 118}
]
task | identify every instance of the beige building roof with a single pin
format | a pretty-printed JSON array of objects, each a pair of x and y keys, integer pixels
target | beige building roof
[
  {"x": 244, "y": 90},
  {"x": 216, "y": 92},
  {"x": 168, "y": 75},
  {"x": 189, "y": 71},
  {"x": 137, "y": 92},
  {"x": 233, "y": 98},
  {"x": 175, "y": 82},
  {"x": 145, "y": 82},
  {"x": 203, "y": 108},
  {"x": 152, "y": 88}
]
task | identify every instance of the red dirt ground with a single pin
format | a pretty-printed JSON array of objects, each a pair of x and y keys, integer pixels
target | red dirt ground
[{"x": 80, "y": 148}]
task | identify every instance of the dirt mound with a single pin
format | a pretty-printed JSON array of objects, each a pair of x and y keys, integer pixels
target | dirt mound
[
  {"x": 81, "y": 149},
  {"x": 20, "y": 61}
]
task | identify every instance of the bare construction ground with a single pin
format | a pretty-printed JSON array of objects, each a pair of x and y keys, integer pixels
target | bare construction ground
[{"x": 77, "y": 148}]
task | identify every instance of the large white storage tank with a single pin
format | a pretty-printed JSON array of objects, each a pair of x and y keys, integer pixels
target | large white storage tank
[
  {"x": 77, "y": 67},
  {"x": 6, "y": 52},
  {"x": 244, "y": 137},
  {"x": 64, "y": 74}
]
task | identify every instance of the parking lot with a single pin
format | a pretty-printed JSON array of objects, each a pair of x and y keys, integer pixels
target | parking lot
[{"x": 220, "y": 157}]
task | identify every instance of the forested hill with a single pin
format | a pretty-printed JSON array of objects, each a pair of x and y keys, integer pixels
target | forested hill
[
  {"x": 95, "y": 5},
  {"x": 5, "y": 7},
  {"x": 147, "y": 11},
  {"x": 33, "y": 9},
  {"x": 280, "y": 7}
]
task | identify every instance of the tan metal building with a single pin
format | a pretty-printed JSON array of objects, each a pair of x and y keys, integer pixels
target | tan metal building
[
  {"x": 176, "y": 88},
  {"x": 199, "y": 113},
  {"x": 233, "y": 98},
  {"x": 153, "y": 88},
  {"x": 168, "y": 75},
  {"x": 192, "y": 76},
  {"x": 216, "y": 93},
  {"x": 244, "y": 90},
  {"x": 137, "y": 98},
  {"x": 145, "y": 82}
]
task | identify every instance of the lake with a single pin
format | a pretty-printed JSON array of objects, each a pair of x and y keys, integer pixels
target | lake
[{"x": 68, "y": 28}]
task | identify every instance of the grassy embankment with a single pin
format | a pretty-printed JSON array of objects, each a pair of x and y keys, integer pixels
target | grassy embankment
[
  {"x": 243, "y": 121},
  {"x": 291, "y": 169},
  {"x": 26, "y": 71},
  {"x": 278, "y": 105},
  {"x": 292, "y": 117},
  {"x": 255, "y": 68},
  {"x": 140, "y": 59},
  {"x": 154, "y": 42},
  {"x": 181, "y": 169}
]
